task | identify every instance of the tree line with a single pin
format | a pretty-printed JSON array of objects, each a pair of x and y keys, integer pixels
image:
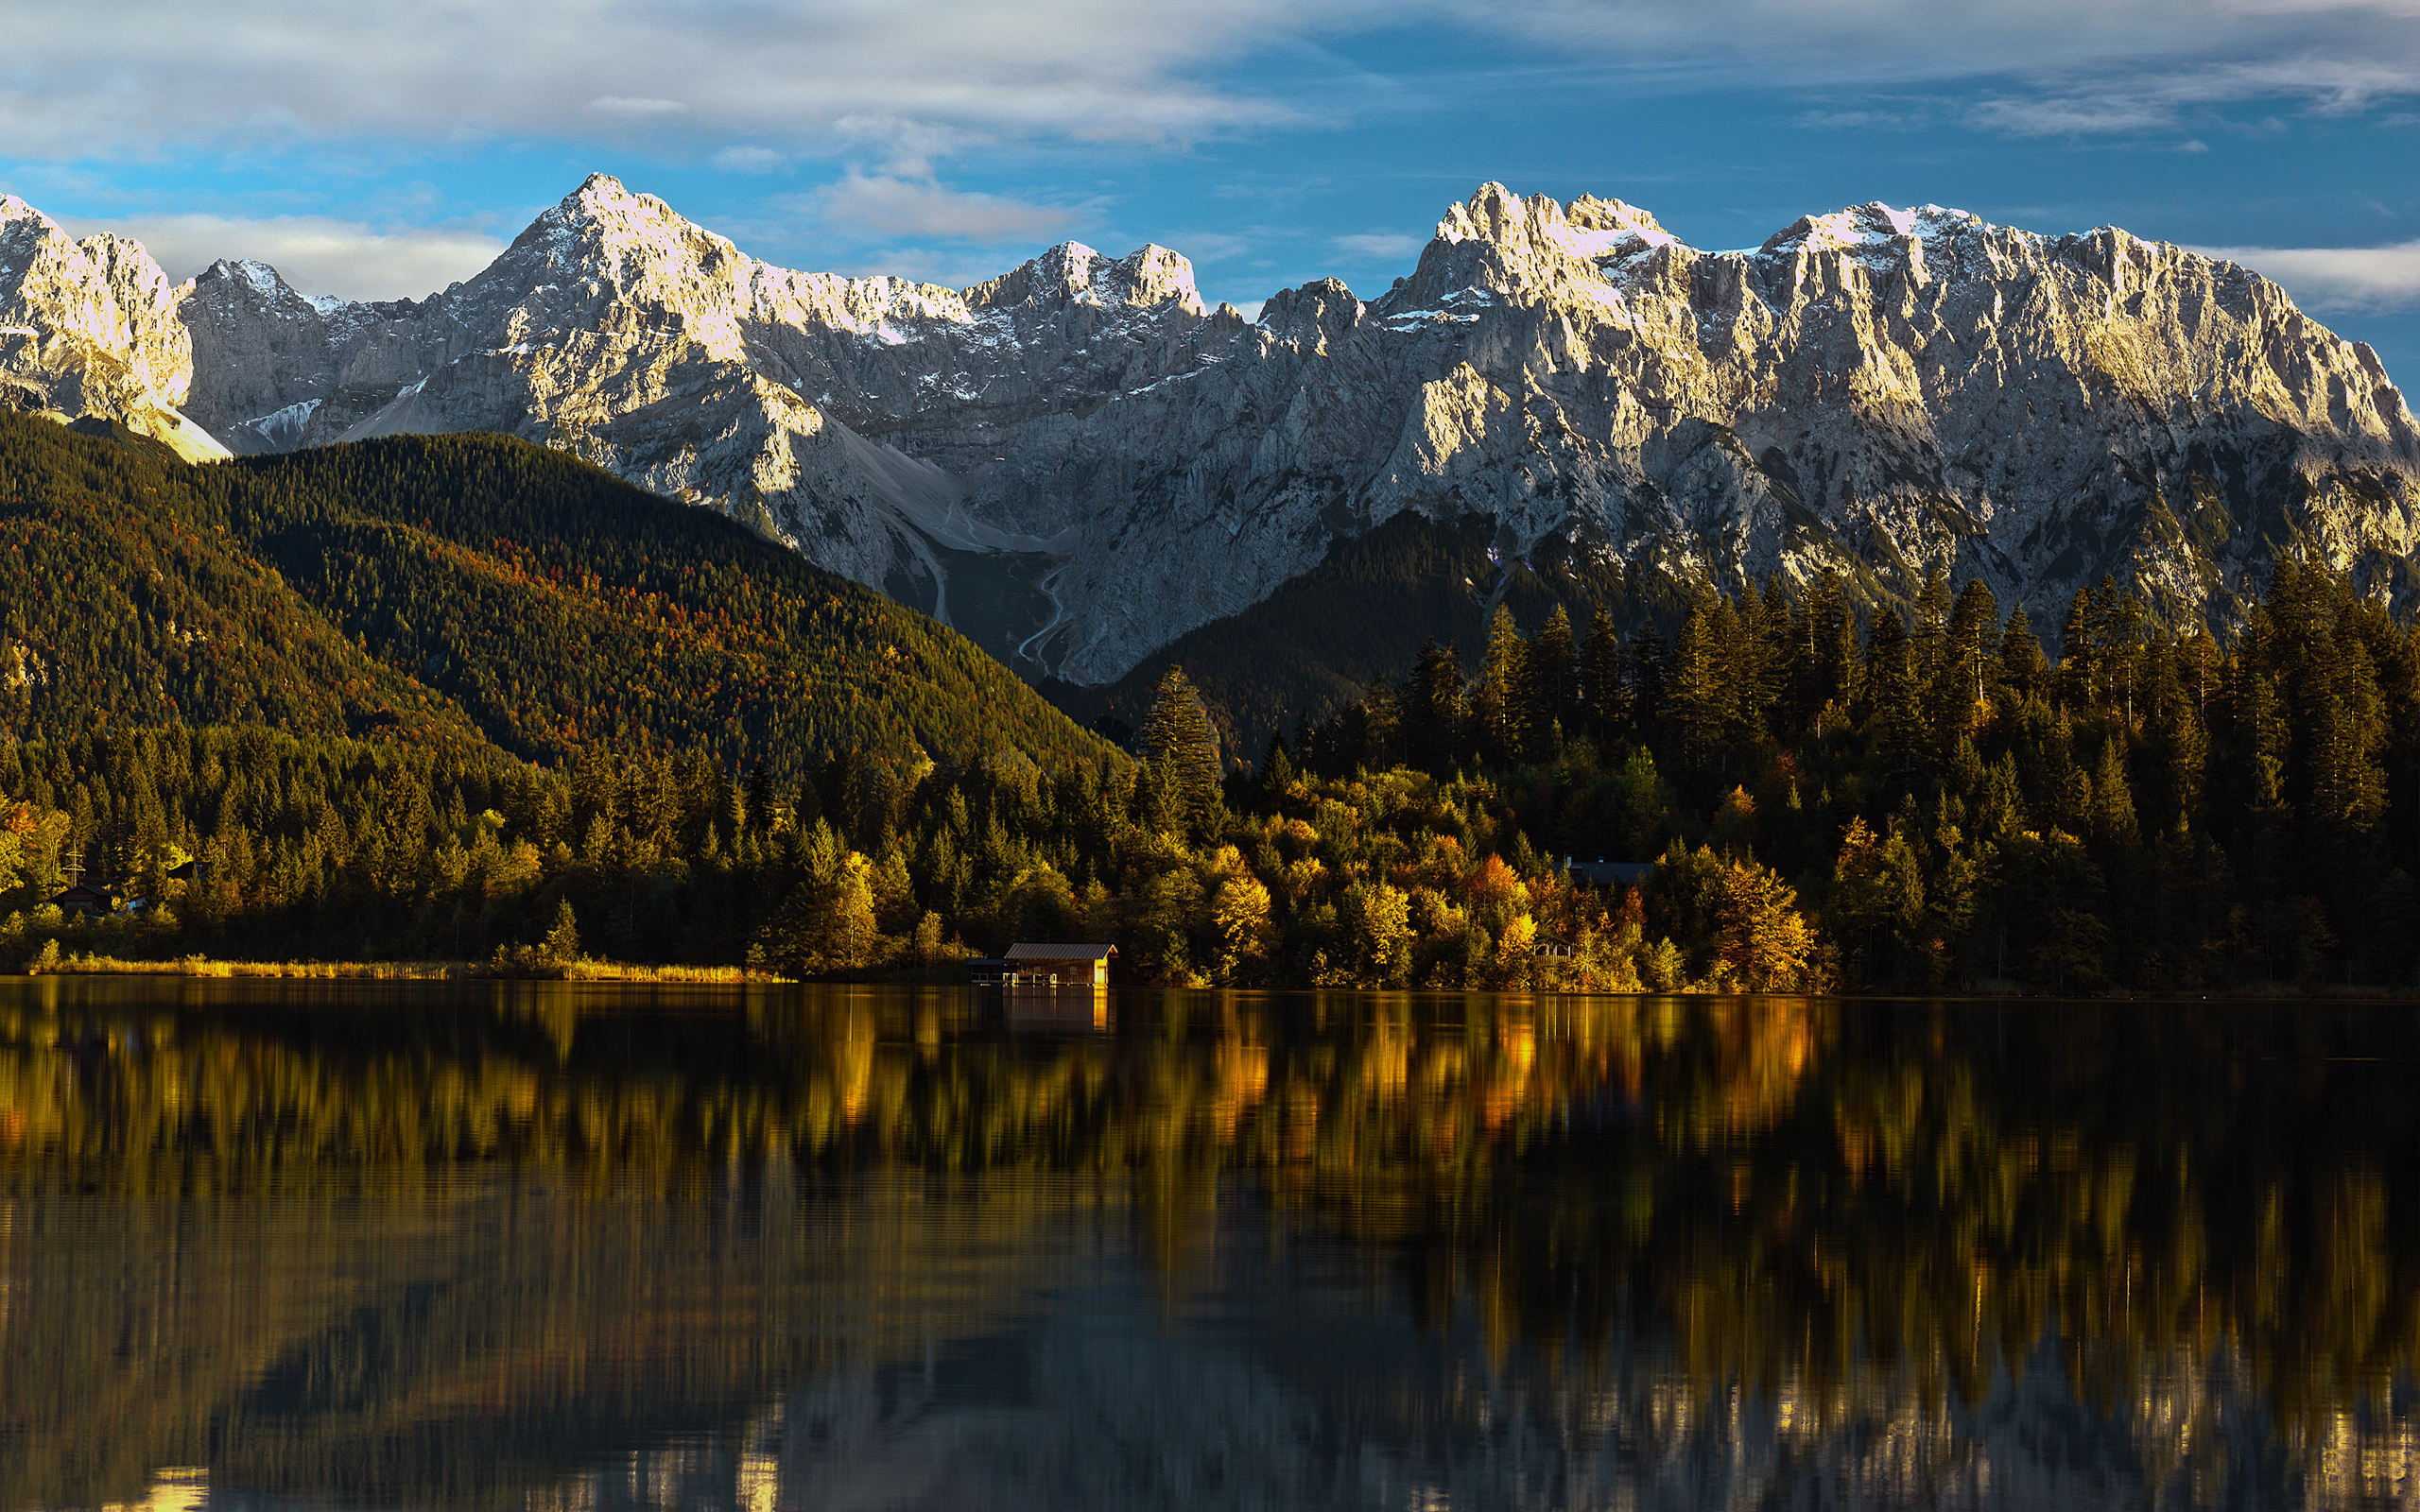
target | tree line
[{"x": 1828, "y": 800}]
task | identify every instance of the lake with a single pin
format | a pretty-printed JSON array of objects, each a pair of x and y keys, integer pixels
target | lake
[{"x": 570, "y": 1248}]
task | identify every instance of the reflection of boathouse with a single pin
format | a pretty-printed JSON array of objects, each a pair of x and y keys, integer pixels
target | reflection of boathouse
[{"x": 1046, "y": 966}]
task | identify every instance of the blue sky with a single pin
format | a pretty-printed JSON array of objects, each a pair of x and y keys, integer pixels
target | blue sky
[{"x": 384, "y": 154}]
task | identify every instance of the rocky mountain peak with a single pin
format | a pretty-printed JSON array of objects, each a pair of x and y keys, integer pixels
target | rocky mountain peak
[
  {"x": 21, "y": 221},
  {"x": 91, "y": 327},
  {"x": 1072, "y": 273},
  {"x": 604, "y": 231},
  {"x": 1876, "y": 234},
  {"x": 1497, "y": 243},
  {"x": 254, "y": 284}
]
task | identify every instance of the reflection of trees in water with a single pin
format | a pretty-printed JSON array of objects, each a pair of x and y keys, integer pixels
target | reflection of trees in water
[{"x": 1805, "y": 1235}]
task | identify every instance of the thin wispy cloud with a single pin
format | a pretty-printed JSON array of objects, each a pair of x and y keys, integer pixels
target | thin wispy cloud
[
  {"x": 316, "y": 254},
  {"x": 748, "y": 160},
  {"x": 876, "y": 207},
  {"x": 1379, "y": 246},
  {"x": 245, "y": 75},
  {"x": 2347, "y": 278}
]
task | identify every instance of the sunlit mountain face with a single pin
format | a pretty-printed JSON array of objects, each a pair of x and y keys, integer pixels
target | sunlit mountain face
[{"x": 550, "y": 1247}]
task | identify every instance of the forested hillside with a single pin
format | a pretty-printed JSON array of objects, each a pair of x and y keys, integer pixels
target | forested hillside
[
  {"x": 469, "y": 589},
  {"x": 126, "y": 601},
  {"x": 567, "y": 610},
  {"x": 1903, "y": 805},
  {"x": 1316, "y": 644}
]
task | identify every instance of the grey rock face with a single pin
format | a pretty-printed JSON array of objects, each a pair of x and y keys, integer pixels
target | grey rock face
[
  {"x": 1095, "y": 462},
  {"x": 91, "y": 327},
  {"x": 1881, "y": 391}
]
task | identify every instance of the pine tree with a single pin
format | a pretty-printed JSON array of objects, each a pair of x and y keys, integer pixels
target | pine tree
[
  {"x": 1553, "y": 669},
  {"x": 2022, "y": 663},
  {"x": 1500, "y": 706},
  {"x": 1958, "y": 686},
  {"x": 1895, "y": 704},
  {"x": 1276, "y": 769},
  {"x": 1703, "y": 696},
  {"x": 1431, "y": 710},
  {"x": 1177, "y": 741},
  {"x": 1604, "y": 689}
]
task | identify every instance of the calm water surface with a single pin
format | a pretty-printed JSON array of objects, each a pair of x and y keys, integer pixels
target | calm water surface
[{"x": 554, "y": 1248}]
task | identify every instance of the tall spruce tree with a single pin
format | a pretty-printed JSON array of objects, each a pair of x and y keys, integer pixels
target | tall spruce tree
[
  {"x": 1176, "y": 739},
  {"x": 1553, "y": 671},
  {"x": 1499, "y": 707},
  {"x": 1604, "y": 690}
]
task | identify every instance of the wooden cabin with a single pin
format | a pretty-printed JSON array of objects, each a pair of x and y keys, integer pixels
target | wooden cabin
[
  {"x": 89, "y": 901},
  {"x": 1046, "y": 966},
  {"x": 1603, "y": 873}
]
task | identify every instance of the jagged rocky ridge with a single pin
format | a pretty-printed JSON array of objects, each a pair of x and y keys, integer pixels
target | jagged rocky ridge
[
  {"x": 1079, "y": 461},
  {"x": 92, "y": 328}
]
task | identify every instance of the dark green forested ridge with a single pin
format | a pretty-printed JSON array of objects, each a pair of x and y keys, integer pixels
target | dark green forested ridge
[
  {"x": 1316, "y": 644},
  {"x": 125, "y": 601},
  {"x": 1912, "y": 804},
  {"x": 471, "y": 585}
]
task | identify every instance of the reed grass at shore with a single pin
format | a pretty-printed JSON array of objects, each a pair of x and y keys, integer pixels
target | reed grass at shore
[{"x": 579, "y": 970}]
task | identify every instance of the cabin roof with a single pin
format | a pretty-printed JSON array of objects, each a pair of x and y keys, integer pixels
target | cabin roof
[
  {"x": 1629, "y": 873},
  {"x": 1060, "y": 952}
]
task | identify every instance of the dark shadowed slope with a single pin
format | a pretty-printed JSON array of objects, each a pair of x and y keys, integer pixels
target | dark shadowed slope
[{"x": 468, "y": 588}]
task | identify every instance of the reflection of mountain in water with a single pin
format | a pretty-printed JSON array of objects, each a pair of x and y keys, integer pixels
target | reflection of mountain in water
[
  {"x": 1117, "y": 1419},
  {"x": 848, "y": 1249}
]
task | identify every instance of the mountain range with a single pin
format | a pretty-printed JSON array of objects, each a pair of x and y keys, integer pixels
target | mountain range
[{"x": 1078, "y": 462}]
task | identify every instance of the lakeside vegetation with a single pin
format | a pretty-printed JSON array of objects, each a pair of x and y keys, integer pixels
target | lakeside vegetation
[
  {"x": 1899, "y": 806},
  {"x": 581, "y": 969}
]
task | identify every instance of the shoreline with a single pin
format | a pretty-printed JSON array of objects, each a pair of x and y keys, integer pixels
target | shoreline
[
  {"x": 618, "y": 972},
  {"x": 581, "y": 970}
]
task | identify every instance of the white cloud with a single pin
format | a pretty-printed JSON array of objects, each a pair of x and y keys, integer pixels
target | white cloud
[
  {"x": 2364, "y": 279},
  {"x": 637, "y": 108},
  {"x": 1379, "y": 246},
  {"x": 748, "y": 160},
  {"x": 915, "y": 79},
  {"x": 883, "y": 207},
  {"x": 1205, "y": 246},
  {"x": 316, "y": 254},
  {"x": 2070, "y": 116},
  {"x": 141, "y": 74}
]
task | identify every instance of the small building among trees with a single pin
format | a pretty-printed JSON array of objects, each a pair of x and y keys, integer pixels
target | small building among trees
[
  {"x": 1046, "y": 966},
  {"x": 1602, "y": 873},
  {"x": 84, "y": 898}
]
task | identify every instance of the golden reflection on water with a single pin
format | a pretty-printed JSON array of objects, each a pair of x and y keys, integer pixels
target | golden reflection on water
[{"x": 408, "y": 1245}]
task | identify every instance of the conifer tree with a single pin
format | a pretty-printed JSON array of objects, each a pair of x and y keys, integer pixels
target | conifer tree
[
  {"x": 1649, "y": 675},
  {"x": 1177, "y": 741},
  {"x": 1499, "y": 712},
  {"x": 1431, "y": 710},
  {"x": 1553, "y": 693},
  {"x": 1962, "y": 684},
  {"x": 1702, "y": 697},
  {"x": 1894, "y": 703},
  {"x": 2022, "y": 665},
  {"x": 1604, "y": 689}
]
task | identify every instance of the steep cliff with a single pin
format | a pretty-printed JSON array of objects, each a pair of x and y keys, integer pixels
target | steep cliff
[{"x": 91, "y": 327}]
